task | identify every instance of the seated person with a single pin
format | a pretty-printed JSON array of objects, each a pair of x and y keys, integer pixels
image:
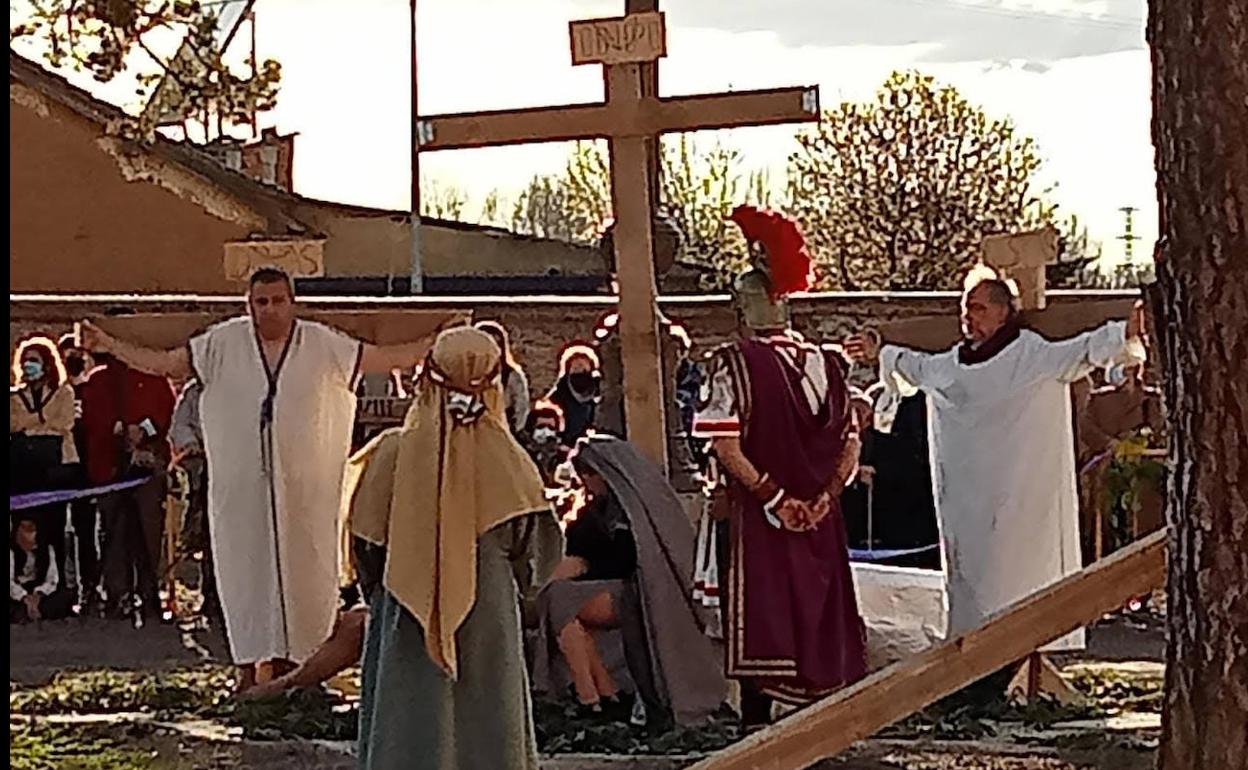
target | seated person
[
  {"x": 336, "y": 654},
  {"x": 35, "y": 591},
  {"x": 600, "y": 555},
  {"x": 630, "y": 545},
  {"x": 345, "y": 644}
]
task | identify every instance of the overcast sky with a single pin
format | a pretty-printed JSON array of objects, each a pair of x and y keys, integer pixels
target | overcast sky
[{"x": 1072, "y": 73}]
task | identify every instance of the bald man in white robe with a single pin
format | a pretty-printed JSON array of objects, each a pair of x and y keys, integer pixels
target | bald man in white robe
[{"x": 1003, "y": 454}]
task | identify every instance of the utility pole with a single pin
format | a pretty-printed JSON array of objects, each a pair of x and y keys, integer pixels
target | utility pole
[
  {"x": 1128, "y": 236},
  {"x": 417, "y": 267}
]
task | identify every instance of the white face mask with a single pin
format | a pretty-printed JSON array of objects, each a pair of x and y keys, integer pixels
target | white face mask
[
  {"x": 465, "y": 408},
  {"x": 544, "y": 434}
]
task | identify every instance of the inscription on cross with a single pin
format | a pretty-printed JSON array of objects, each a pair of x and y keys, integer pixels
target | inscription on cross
[
  {"x": 637, "y": 37},
  {"x": 629, "y": 119}
]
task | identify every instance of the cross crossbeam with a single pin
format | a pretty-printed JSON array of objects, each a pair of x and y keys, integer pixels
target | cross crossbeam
[{"x": 646, "y": 116}]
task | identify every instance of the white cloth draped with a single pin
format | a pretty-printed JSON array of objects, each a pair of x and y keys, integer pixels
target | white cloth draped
[
  {"x": 274, "y": 495},
  {"x": 1003, "y": 464}
]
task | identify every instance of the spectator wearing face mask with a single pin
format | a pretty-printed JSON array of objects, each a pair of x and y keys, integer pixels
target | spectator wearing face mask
[
  {"x": 577, "y": 392},
  {"x": 41, "y": 403},
  {"x": 41, "y": 433},
  {"x": 541, "y": 439}
]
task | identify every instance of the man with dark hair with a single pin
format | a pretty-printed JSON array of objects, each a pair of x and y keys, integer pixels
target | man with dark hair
[
  {"x": 1003, "y": 450},
  {"x": 277, "y": 410},
  {"x": 998, "y": 292},
  {"x": 35, "y": 590}
]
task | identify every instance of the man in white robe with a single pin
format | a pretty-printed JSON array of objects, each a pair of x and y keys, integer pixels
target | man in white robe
[
  {"x": 1002, "y": 447},
  {"x": 277, "y": 411}
]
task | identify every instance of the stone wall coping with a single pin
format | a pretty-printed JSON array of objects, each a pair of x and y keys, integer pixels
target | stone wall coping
[{"x": 443, "y": 301}]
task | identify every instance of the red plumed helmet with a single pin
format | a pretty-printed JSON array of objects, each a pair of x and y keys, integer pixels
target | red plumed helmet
[{"x": 788, "y": 262}]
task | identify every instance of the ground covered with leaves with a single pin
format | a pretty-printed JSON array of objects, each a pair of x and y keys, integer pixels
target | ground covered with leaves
[{"x": 144, "y": 704}]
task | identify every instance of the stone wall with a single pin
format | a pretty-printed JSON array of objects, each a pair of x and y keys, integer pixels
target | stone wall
[{"x": 542, "y": 326}]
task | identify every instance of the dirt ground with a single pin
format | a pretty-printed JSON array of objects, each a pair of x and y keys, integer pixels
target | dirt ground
[{"x": 37, "y": 652}]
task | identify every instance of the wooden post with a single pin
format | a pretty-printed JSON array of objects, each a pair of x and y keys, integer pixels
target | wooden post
[
  {"x": 1022, "y": 258},
  {"x": 649, "y": 89},
  {"x": 644, "y": 411},
  {"x": 835, "y": 723},
  {"x": 1034, "y": 663}
]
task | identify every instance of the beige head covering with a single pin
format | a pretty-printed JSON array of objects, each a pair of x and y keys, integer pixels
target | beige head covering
[{"x": 427, "y": 491}]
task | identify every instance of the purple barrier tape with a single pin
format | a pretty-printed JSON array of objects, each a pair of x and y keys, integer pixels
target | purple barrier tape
[
  {"x": 35, "y": 499},
  {"x": 884, "y": 554}
]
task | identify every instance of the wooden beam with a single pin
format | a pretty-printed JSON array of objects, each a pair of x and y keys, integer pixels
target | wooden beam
[
  {"x": 380, "y": 327},
  {"x": 646, "y": 116},
  {"x": 492, "y": 128},
  {"x": 640, "y": 347},
  {"x": 939, "y": 333},
  {"x": 891, "y": 694},
  {"x": 1022, "y": 257},
  {"x": 767, "y": 107}
]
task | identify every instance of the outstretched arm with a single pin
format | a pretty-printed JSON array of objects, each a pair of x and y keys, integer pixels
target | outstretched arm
[
  {"x": 1117, "y": 342},
  {"x": 383, "y": 359},
  {"x": 911, "y": 366},
  {"x": 174, "y": 363}
]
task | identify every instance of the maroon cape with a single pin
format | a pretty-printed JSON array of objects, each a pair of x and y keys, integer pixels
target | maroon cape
[{"x": 793, "y": 622}]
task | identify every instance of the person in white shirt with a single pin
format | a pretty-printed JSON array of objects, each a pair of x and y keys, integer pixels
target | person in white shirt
[
  {"x": 35, "y": 591},
  {"x": 276, "y": 411}
]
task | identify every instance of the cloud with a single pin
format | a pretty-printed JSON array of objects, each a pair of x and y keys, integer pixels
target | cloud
[{"x": 957, "y": 30}]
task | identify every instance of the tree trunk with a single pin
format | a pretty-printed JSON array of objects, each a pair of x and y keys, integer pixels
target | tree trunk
[{"x": 1200, "y": 129}]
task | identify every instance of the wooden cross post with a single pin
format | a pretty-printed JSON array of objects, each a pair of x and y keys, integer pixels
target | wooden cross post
[
  {"x": 629, "y": 119},
  {"x": 1022, "y": 258}
]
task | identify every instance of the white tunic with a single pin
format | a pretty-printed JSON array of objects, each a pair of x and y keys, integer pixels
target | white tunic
[
  {"x": 1003, "y": 464},
  {"x": 274, "y": 493}
]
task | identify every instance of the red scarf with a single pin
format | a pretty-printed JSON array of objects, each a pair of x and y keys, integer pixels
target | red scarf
[{"x": 969, "y": 353}]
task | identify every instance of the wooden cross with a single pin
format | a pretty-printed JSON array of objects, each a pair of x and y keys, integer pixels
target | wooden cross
[
  {"x": 630, "y": 118},
  {"x": 1022, "y": 258}
]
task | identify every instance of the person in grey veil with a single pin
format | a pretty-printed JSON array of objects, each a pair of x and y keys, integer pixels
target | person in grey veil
[{"x": 678, "y": 675}]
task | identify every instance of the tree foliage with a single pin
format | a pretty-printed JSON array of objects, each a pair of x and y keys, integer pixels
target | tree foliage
[
  {"x": 698, "y": 189},
  {"x": 898, "y": 192},
  {"x": 573, "y": 205},
  {"x": 442, "y": 201},
  {"x": 102, "y": 36}
]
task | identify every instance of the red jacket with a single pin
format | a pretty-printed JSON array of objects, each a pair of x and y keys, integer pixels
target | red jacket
[{"x": 117, "y": 393}]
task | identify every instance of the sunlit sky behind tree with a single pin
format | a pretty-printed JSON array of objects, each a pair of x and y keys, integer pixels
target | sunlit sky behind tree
[{"x": 1074, "y": 74}]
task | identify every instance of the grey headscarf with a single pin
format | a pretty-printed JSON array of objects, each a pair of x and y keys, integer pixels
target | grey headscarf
[{"x": 686, "y": 671}]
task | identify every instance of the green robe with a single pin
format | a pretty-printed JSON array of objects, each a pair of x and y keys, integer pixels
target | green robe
[{"x": 412, "y": 716}]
